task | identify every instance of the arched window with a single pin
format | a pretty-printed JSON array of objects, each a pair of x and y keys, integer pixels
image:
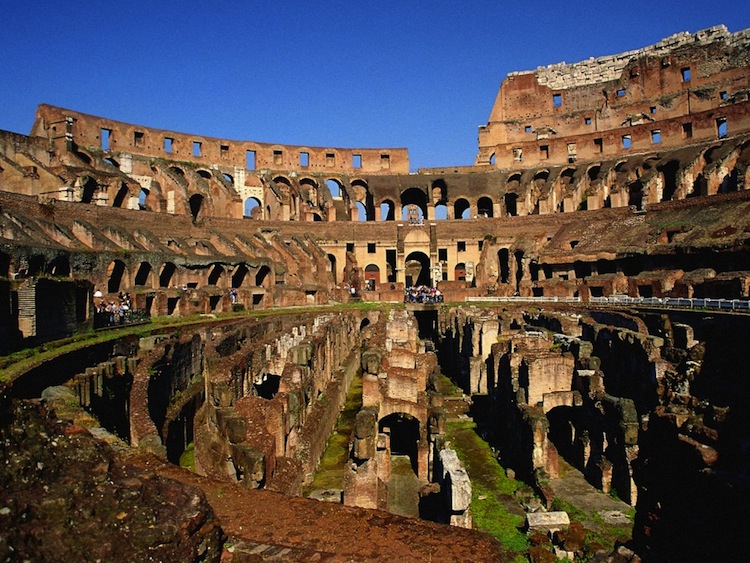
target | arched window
[{"x": 253, "y": 209}]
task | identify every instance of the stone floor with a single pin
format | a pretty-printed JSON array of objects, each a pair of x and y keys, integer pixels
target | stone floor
[{"x": 403, "y": 488}]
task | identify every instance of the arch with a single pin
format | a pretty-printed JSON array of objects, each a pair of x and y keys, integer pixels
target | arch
[
  {"x": 459, "y": 272},
  {"x": 518, "y": 255},
  {"x": 635, "y": 194},
  {"x": 441, "y": 211},
  {"x": 462, "y": 209},
  {"x": 387, "y": 210},
  {"x": 414, "y": 196},
  {"x": 262, "y": 278},
  {"x": 122, "y": 193},
  {"x": 205, "y": 174},
  {"x": 361, "y": 211},
  {"x": 216, "y": 274},
  {"x": 143, "y": 198},
  {"x": 177, "y": 170},
  {"x": 143, "y": 274},
  {"x": 566, "y": 176},
  {"x": 228, "y": 178},
  {"x": 112, "y": 162},
  {"x": 196, "y": 205},
  {"x": 365, "y": 323},
  {"x": 59, "y": 266},
  {"x": 417, "y": 269},
  {"x": 404, "y": 431},
  {"x": 593, "y": 172},
  {"x": 485, "y": 207},
  {"x": 360, "y": 192},
  {"x": 439, "y": 192},
  {"x": 252, "y": 208},
  {"x": 372, "y": 273},
  {"x": 316, "y": 216},
  {"x": 413, "y": 214},
  {"x": 239, "y": 275},
  {"x": 89, "y": 187},
  {"x": 115, "y": 273},
  {"x": 669, "y": 174},
  {"x": 167, "y": 271},
  {"x": 335, "y": 188},
  {"x": 540, "y": 178},
  {"x": 700, "y": 186},
  {"x": 332, "y": 261},
  {"x": 503, "y": 264},
  {"x": 511, "y": 204}
]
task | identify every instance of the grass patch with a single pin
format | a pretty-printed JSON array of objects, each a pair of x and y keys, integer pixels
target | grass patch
[
  {"x": 599, "y": 534},
  {"x": 187, "y": 459},
  {"x": 330, "y": 472},
  {"x": 493, "y": 506}
]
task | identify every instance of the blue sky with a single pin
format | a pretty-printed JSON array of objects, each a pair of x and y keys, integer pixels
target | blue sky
[{"x": 416, "y": 73}]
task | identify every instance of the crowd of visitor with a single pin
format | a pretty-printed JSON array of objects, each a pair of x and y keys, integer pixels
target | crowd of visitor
[
  {"x": 113, "y": 313},
  {"x": 422, "y": 294}
]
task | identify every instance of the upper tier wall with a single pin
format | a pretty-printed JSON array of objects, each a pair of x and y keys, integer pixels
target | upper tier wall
[
  {"x": 63, "y": 125},
  {"x": 686, "y": 88}
]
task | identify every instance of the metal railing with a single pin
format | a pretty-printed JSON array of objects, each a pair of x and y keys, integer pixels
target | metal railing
[{"x": 666, "y": 302}]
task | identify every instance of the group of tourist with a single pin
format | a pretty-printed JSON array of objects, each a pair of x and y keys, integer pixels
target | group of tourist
[
  {"x": 112, "y": 313},
  {"x": 422, "y": 294}
]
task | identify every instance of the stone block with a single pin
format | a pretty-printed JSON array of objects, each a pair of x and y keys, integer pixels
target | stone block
[
  {"x": 546, "y": 522},
  {"x": 455, "y": 481}
]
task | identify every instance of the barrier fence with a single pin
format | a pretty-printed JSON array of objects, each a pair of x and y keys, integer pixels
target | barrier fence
[{"x": 680, "y": 302}]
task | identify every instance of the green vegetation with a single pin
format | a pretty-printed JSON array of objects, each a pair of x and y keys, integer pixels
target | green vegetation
[
  {"x": 187, "y": 459},
  {"x": 330, "y": 473},
  {"x": 599, "y": 534},
  {"x": 493, "y": 506}
]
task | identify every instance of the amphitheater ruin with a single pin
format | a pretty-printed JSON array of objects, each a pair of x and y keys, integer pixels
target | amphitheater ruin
[{"x": 593, "y": 268}]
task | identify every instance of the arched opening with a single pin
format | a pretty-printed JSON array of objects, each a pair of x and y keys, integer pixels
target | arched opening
[
  {"x": 581, "y": 269},
  {"x": 142, "y": 275},
  {"x": 239, "y": 275},
  {"x": 89, "y": 187},
  {"x": 462, "y": 209},
  {"x": 459, "y": 272},
  {"x": 361, "y": 211},
  {"x": 484, "y": 207},
  {"x": 115, "y": 272},
  {"x": 503, "y": 264},
  {"x": 165, "y": 277},
  {"x": 122, "y": 193},
  {"x": 262, "y": 277},
  {"x": 205, "y": 174},
  {"x": 403, "y": 430},
  {"x": 700, "y": 186},
  {"x": 518, "y": 254},
  {"x": 177, "y": 170},
  {"x": 335, "y": 188},
  {"x": 417, "y": 269},
  {"x": 669, "y": 174},
  {"x": 439, "y": 192},
  {"x": 196, "y": 204},
  {"x": 228, "y": 178},
  {"x": 364, "y": 324},
  {"x": 112, "y": 162},
  {"x": 253, "y": 208},
  {"x": 412, "y": 214},
  {"x": 372, "y": 276},
  {"x": 316, "y": 216},
  {"x": 143, "y": 198},
  {"x": 593, "y": 173},
  {"x": 562, "y": 433},
  {"x": 635, "y": 194},
  {"x": 511, "y": 204},
  {"x": 414, "y": 196},
  {"x": 387, "y": 211},
  {"x": 215, "y": 275},
  {"x": 59, "y": 267},
  {"x": 332, "y": 260},
  {"x": 441, "y": 212}
]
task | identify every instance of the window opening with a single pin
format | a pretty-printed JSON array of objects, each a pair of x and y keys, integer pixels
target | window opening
[
  {"x": 685, "y": 74},
  {"x": 587, "y": 120},
  {"x": 138, "y": 138},
  {"x": 168, "y": 145},
  {"x": 544, "y": 152},
  {"x": 556, "y": 100},
  {"x": 621, "y": 92},
  {"x": 371, "y": 247},
  {"x": 517, "y": 154},
  {"x": 223, "y": 151},
  {"x": 356, "y": 161},
  {"x": 687, "y": 130},
  {"x": 656, "y": 136},
  {"x": 599, "y": 145},
  {"x": 105, "y": 138},
  {"x": 277, "y": 157},
  {"x": 527, "y": 129},
  {"x": 442, "y": 254},
  {"x": 721, "y": 127},
  {"x": 330, "y": 159},
  {"x": 723, "y": 95},
  {"x": 627, "y": 142},
  {"x": 196, "y": 148},
  {"x": 385, "y": 161},
  {"x": 250, "y": 160},
  {"x": 652, "y": 109},
  {"x": 304, "y": 159}
]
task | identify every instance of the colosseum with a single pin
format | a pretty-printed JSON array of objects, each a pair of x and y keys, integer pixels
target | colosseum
[{"x": 217, "y": 349}]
